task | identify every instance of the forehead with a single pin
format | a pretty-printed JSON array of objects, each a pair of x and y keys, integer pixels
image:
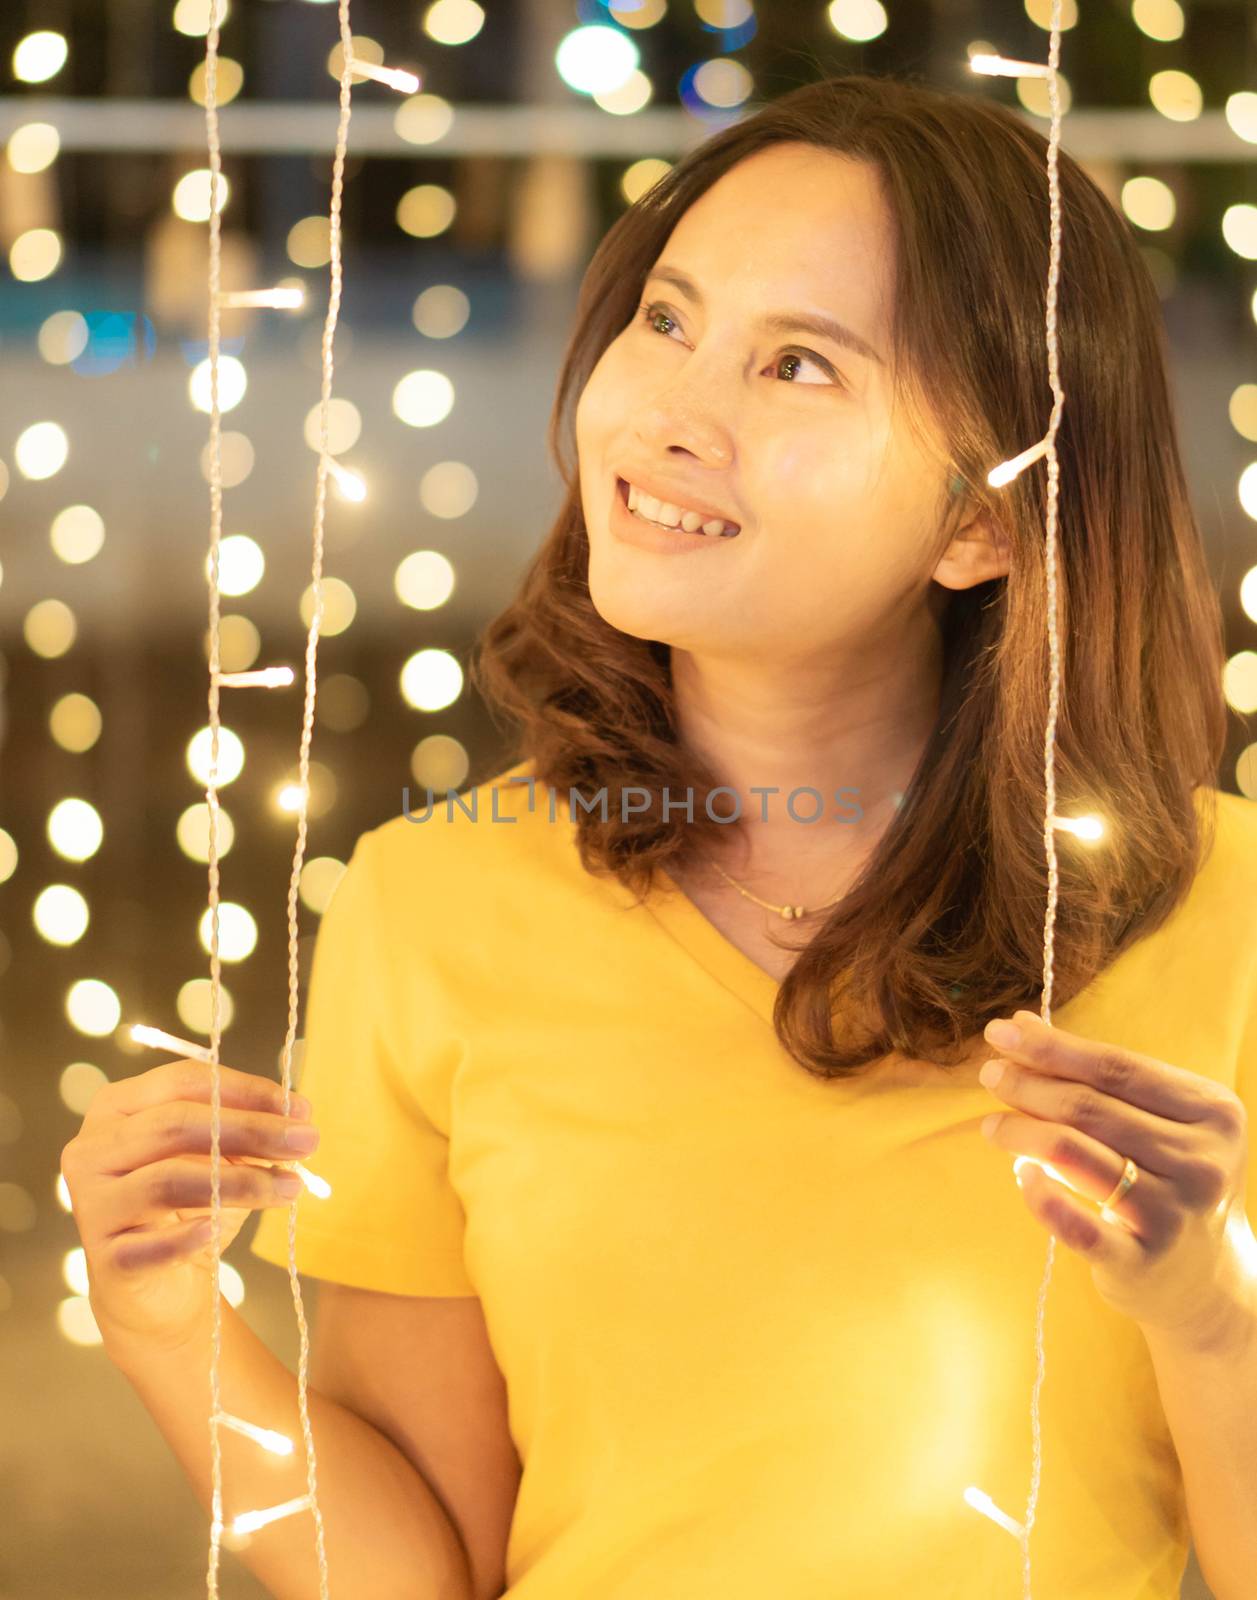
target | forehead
[{"x": 800, "y": 225}]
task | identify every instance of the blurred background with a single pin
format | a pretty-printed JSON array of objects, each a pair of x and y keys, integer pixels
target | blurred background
[{"x": 472, "y": 203}]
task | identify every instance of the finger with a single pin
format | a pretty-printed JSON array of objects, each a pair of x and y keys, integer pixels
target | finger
[
  {"x": 191, "y": 1080},
  {"x": 1074, "y": 1223},
  {"x": 1151, "y": 1142},
  {"x": 1089, "y": 1168},
  {"x": 182, "y": 1127},
  {"x": 1154, "y": 1086},
  {"x": 130, "y": 1252},
  {"x": 150, "y": 1196}
]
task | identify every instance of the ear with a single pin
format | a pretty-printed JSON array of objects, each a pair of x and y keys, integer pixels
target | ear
[{"x": 976, "y": 551}]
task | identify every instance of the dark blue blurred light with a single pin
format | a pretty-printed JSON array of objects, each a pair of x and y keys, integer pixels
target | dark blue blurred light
[
  {"x": 730, "y": 39},
  {"x": 115, "y": 339},
  {"x": 195, "y": 351}
]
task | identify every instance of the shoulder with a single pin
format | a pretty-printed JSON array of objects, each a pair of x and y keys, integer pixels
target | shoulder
[
  {"x": 484, "y": 843},
  {"x": 1227, "y": 880}
]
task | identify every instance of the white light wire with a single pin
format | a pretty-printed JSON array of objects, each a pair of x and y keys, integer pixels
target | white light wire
[{"x": 255, "y": 1519}]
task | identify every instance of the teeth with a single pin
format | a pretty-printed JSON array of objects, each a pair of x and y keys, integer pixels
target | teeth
[{"x": 668, "y": 515}]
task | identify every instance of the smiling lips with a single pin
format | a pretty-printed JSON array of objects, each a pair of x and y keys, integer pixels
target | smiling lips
[{"x": 667, "y": 514}]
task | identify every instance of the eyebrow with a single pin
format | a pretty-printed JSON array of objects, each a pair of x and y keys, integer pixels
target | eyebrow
[{"x": 779, "y": 321}]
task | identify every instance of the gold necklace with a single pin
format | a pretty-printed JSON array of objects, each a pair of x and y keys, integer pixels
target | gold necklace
[{"x": 790, "y": 913}]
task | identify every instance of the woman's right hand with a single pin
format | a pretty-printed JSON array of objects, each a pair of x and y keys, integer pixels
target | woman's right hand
[{"x": 138, "y": 1172}]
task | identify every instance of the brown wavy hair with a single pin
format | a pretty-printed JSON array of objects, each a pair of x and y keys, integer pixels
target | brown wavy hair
[{"x": 943, "y": 929}]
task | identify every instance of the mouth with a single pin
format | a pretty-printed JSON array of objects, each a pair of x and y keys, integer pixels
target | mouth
[{"x": 622, "y": 489}]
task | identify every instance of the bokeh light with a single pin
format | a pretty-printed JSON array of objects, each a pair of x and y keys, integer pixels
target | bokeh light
[
  {"x": 453, "y": 21},
  {"x": 441, "y": 311},
  {"x": 237, "y": 931},
  {"x": 423, "y": 119},
  {"x": 41, "y": 450},
  {"x": 60, "y": 914},
  {"x": 191, "y": 197},
  {"x": 423, "y": 398},
  {"x": 310, "y": 242},
  {"x": 192, "y": 831},
  {"x": 63, "y": 337},
  {"x": 424, "y": 580},
  {"x": 240, "y": 564},
  {"x": 431, "y": 680},
  {"x": 77, "y": 534},
  {"x": 49, "y": 628},
  {"x": 440, "y": 763},
  {"x": 426, "y": 210},
  {"x": 319, "y": 878},
  {"x": 230, "y": 81},
  {"x": 75, "y": 829},
  {"x": 344, "y": 426},
  {"x": 233, "y": 381},
  {"x": 79, "y": 1085},
  {"x": 1148, "y": 202},
  {"x": 595, "y": 59},
  {"x": 236, "y": 458},
  {"x": 340, "y": 605},
  {"x": 448, "y": 490},
  {"x": 40, "y": 56},
  {"x": 192, "y": 1004},
  {"x": 92, "y": 1007},
  {"x": 230, "y": 755},
  {"x": 75, "y": 723},
  {"x": 33, "y": 147}
]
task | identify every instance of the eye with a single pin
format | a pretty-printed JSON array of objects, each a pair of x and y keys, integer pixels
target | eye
[{"x": 650, "y": 313}]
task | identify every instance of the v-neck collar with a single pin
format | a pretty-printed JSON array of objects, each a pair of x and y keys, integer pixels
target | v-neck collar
[{"x": 704, "y": 942}]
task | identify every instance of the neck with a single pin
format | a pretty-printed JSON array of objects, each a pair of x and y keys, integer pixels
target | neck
[{"x": 859, "y": 725}]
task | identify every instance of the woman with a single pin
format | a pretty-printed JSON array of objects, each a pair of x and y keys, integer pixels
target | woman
[{"x": 689, "y": 1106}]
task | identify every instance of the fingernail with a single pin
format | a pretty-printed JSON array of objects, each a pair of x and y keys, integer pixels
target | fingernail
[
  {"x": 289, "y": 1183},
  {"x": 992, "y": 1072},
  {"x": 303, "y": 1139},
  {"x": 989, "y": 1124},
  {"x": 1003, "y": 1035}
]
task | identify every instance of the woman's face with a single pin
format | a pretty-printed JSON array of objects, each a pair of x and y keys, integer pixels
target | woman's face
[{"x": 787, "y": 432}]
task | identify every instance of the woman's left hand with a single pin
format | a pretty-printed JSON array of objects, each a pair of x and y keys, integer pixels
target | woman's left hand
[{"x": 1171, "y": 1254}]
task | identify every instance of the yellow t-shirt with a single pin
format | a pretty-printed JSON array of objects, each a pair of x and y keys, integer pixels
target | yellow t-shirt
[{"x": 759, "y": 1332}]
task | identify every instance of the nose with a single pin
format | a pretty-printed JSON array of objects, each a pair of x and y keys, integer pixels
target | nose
[{"x": 666, "y": 427}]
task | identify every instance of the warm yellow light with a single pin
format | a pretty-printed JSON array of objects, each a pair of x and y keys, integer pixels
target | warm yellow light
[
  {"x": 344, "y": 425},
  {"x": 1159, "y": 19},
  {"x": 858, "y": 20},
  {"x": 239, "y": 644},
  {"x": 448, "y": 490},
  {"x": 423, "y": 119},
  {"x": 63, "y": 337},
  {"x": 1176, "y": 95},
  {"x": 1239, "y": 681},
  {"x": 440, "y": 763},
  {"x": 92, "y": 1007},
  {"x": 79, "y": 1085},
  {"x": 41, "y": 450},
  {"x": 77, "y": 534},
  {"x": 33, "y": 147},
  {"x": 233, "y": 381},
  {"x": 431, "y": 680},
  {"x": 40, "y": 56},
  {"x": 193, "y": 1006},
  {"x": 192, "y": 17},
  {"x": 310, "y": 242},
  {"x": 191, "y": 197},
  {"x": 441, "y": 311},
  {"x": 49, "y": 628},
  {"x": 230, "y": 755},
  {"x": 642, "y": 176},
  {"x": 192, "y": 831},
  {"x": 319, "y": 878},
  {"x": 423, "y": 398},
  {"x": 76, "y": 1321},
  {"x": 228, "y": 83},
  {"x": 453, "y": 21},
  {"x": 1239, "y": 229},
  {"x": 426, "y": 210},
  {"x": 74, "y": 829},
  {"x": 237, "y": 931},
  {"x": 424, "y": 580},
  {"x": 35, "y": 255},
  {"x": 340, "y": 606},
  {"x": 8, "y": 856},
  {"x": 236, "y": 458},
  {"x": 1148, "y": 203},
  {"x": 1241, "y": 115},
  {"x": 723, "y": 83},
  {"x": 75, "y": 723},
  {"x": 60, "y": 914},
  {"x": 240, "y": 564}
]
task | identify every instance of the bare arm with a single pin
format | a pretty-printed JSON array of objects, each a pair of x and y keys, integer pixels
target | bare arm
[{"x": 386, "y": 1534}]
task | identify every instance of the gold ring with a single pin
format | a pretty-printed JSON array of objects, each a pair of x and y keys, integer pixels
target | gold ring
[{"x": 1130, "y": 1174}]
